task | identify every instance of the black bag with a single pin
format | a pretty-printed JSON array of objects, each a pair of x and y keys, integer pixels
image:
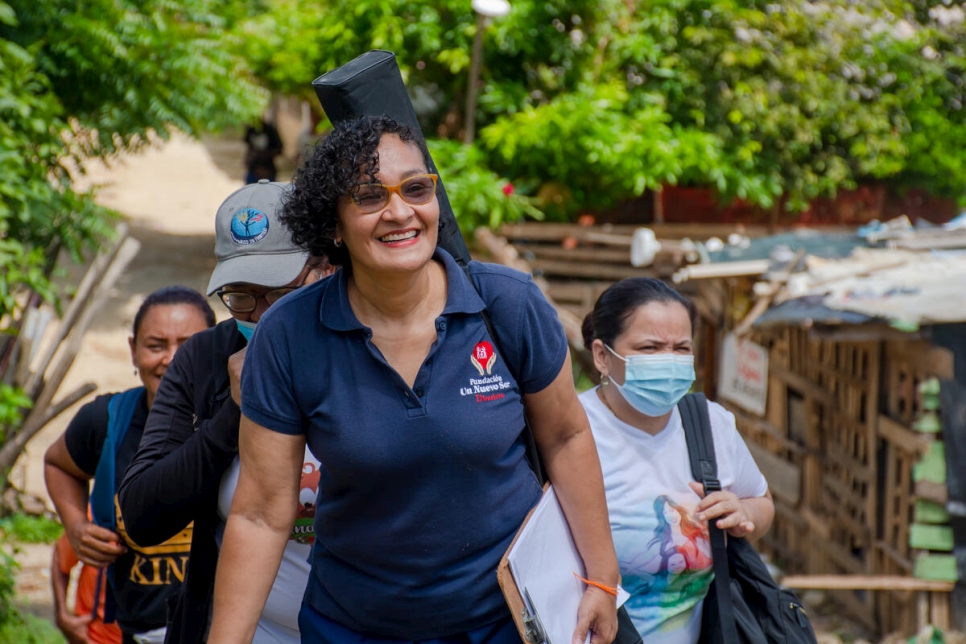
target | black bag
[{"x": 744, "y": 604}]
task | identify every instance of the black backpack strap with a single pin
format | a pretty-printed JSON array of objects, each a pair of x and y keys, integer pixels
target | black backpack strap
[
  {"x": 704, "y": 469},
  {"x": 529, "y": 443}
]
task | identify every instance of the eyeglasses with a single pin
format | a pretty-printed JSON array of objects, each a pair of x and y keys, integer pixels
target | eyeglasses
[
  {"x": 241, "y": 302},
  {"x": 372, "y": 197}
]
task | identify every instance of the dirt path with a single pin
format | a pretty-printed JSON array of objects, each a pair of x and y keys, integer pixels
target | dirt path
[{"x": 169, "y": 194}]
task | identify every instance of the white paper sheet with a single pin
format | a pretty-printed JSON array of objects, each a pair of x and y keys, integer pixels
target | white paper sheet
[{"x": 543, "y": 562}]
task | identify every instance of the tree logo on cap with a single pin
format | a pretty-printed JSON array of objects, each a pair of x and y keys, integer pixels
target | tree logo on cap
[{"x": 248, "y": 226}]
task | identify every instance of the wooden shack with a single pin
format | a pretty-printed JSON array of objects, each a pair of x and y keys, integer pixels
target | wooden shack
[
  {"x": 832, "y": 421},
  {"x": 860, "y": 488}
]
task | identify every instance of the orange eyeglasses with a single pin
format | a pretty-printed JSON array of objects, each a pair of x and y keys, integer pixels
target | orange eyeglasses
[{"x": 416, "y": 190}]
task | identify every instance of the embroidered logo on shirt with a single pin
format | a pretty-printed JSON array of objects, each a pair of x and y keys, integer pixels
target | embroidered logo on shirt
[
  {"x": 489, "y": 386},
  {"x": 483, "y": 357}
]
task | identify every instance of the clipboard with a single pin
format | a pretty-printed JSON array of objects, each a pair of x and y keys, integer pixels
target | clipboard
[
  {"x": 543, "y": 560},
  {"x": 527, "y": 623}
]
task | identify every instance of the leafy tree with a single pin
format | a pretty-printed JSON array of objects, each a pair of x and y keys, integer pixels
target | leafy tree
[
  {"x": 81, "y": 82},
  {"x": 776, "y": 102}
]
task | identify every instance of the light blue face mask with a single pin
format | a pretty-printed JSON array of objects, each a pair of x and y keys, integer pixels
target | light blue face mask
[
  {"x": 247, "y": 329},
  {"x": 655, "y": 383}
]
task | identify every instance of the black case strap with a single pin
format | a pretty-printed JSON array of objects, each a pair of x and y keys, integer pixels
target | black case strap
[
  {"x": 529, "y": 443},
  {"x": 704, "y": 469}
]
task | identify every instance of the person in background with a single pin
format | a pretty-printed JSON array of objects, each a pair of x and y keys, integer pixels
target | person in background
[
  {"x": 262, "y": 145},
  {"x": 98, "y": 444},
  {"x": 640, "y": 333},
  {"x": 186, "y": 467},
  {"x": 424, "y": 479},
  {"x": 81, "y": 626}
]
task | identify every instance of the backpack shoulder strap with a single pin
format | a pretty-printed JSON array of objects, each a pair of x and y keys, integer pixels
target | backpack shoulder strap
[
  {"x": 697, "y": 433},
  {"x": 120, "y": 411},
  {"x": 704, "y": 468}
]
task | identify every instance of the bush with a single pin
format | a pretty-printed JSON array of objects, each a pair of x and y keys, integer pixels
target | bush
[{"x": 23, "y": 528}]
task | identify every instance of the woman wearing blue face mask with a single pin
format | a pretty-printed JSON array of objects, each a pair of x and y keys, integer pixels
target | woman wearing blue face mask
[
  {"x": 186, "y": 467},
  {"x": 640, "y": 334}
]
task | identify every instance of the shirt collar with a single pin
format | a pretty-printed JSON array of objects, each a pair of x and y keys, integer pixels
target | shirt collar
[{"x": 461, "y": 296}]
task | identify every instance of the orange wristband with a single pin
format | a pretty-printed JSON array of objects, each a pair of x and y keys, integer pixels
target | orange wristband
[{"x": 607, "y": 589}]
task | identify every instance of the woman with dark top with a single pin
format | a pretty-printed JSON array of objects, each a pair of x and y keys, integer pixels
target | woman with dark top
[
  {"x": 186, "y": 467},
  {"x": 640, "y": 335},
  {"x": 105, "y": 434},
  {"x": 387, "y": 371}
]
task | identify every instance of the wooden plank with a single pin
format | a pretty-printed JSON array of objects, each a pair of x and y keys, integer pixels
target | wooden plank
[
  {"x": 931, "y": 537},
  {"x": 901, "y": 436},
  {"x": 925, "y": 358},
  {"x": 939, "y": 610},
  {"x": 722, "y": 269},
  {"x": 938, "y": 567},
  {"x": 593, "y": 271},
  {"x": 557, "y": 231},
  {"x": 803, "y": 385},
  {"x": 758, "y": 423},
  {"x": 865, "y": 582},
  {"x": 784, "y": 478},
  {"x": 618, "y": 256},
  {"x": 890, "y": 553},
  {"x": 932, "y": 491}
]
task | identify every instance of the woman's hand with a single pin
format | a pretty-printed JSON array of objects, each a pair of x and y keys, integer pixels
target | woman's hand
[
  {"x": 74, "y": 627},
  {"x": 598, "y": 615},
  {"x": 94, "y": 545},
  {"x": 235, "y": 363},
  {"x": 732, "y": 513}
]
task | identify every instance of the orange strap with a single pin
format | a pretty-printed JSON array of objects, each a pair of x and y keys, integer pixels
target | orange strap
[{"x": 607, "y": 589}]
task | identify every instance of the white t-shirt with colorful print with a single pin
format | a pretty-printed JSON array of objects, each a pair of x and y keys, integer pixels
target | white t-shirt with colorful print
[
  {"x": 279, "y": 621},
  {"x": 663, "y": 552}
]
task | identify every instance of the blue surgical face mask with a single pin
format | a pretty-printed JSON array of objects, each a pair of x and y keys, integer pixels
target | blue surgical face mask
[
  {"x": 654, "y": 383},
  {"x": 246, "y": 328}
]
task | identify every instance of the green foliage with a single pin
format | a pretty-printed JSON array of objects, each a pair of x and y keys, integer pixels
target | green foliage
[
  {"x": 16, "y": 626},
  {"x": 122, "y": 70},
  {"x": 24, "y": 628},
  {"x": 8, "y": 582},
  {"x": 12, "y": 403},
  {"x": 80, "y": 82},
  {"x": 23, "y": 528},
  {"x": 478, "y": 195},
  {"x": 591, "y": 103}
]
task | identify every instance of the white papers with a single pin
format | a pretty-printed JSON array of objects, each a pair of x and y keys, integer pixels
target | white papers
[{"x": 543, "y": 562}]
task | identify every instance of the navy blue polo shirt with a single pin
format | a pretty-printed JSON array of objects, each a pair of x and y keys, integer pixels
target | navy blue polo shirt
[{"x": 422, "y": 488}]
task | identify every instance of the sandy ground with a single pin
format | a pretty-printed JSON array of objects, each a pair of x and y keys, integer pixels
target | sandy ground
[{"x": 168, "y": 194}]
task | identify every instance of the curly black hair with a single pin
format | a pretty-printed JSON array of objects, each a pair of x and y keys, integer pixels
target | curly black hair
[{"x": 333, "y": 168}]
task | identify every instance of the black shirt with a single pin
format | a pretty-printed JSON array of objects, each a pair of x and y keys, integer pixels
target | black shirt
[
  {"x": 189, "y": 442},
  {"x": 143, "y": 578}
]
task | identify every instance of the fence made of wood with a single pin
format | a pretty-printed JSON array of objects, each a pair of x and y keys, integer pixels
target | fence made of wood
[{"x": 838, "y": 450}]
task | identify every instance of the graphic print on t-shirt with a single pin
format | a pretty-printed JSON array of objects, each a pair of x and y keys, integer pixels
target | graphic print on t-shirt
[
  {"x": 304, "y": 529},
  {"x": 160, "y": 565},
  {"x": 669, "y": 573}
]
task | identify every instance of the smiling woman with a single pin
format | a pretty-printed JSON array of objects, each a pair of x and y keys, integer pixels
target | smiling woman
[
  {"x": 401, "y": 336},
  {"x": 98, "y": 444}
]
